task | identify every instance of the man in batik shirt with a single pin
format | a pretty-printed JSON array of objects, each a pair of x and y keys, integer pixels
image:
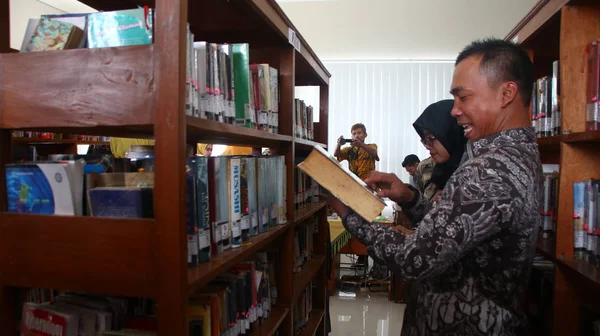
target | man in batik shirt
[{"x": 473, "y": 247}]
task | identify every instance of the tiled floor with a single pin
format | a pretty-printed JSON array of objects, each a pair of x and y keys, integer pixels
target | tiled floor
[{"x": 368, "y": 313}]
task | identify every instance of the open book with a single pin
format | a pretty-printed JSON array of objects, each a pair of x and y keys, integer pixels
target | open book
[{"x": 342, "y": 184}]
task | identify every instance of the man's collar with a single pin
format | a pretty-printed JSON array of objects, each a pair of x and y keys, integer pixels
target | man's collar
[{"x": 522, "y": 135}]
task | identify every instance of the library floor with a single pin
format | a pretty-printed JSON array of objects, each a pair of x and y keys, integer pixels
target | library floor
[{"x": 364, "y": 312}]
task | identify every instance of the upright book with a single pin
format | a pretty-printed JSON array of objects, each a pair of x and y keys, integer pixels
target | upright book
[{"x": 342, "y": 183}]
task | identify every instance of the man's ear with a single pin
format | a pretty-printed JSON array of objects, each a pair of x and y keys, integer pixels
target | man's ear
[{"x": 509, "y": 92}]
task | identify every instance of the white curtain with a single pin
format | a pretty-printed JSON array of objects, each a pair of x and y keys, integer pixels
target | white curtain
[{"x": 387, "y": 97}]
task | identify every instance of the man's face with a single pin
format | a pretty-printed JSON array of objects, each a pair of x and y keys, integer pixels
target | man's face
[
  {"x": 359, "y": 134},
  {"x": 477, "y": 106},
  {"x": 411, "y": 169}
]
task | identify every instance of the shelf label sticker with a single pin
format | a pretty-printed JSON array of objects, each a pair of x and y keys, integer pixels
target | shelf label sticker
[{"x": 294, "y": 40}]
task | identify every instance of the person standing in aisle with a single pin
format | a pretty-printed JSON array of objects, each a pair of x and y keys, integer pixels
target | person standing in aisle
[
  {"x": 361, "y": 159},
  {"x": 471, "y": 252},
  {"x": 410, "y": 164}
]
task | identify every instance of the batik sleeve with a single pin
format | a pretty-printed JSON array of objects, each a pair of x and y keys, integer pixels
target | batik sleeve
[{"x": 476, "y": 204}]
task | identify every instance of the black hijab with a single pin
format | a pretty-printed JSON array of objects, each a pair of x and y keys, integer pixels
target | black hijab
[{"x": 437, "y": 120}]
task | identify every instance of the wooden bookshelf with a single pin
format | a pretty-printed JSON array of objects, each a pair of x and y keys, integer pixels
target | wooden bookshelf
[
  {"x": 138, "y": 91},
  {"x": 560, "y": 30},
  {"x": 304, "y": 213},
  {"x": 42, "y": 141},
  {"x": 316, "y": 318}
]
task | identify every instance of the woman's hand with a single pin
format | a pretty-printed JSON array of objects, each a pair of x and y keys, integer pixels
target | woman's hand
[{"x": 390, "y": 186}]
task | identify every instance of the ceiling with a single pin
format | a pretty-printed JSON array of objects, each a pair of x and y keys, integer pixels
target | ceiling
[{"x": 400, "y": 29}]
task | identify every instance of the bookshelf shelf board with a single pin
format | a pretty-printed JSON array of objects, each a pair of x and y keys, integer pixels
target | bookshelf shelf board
[
  {"x": 583, "y": 137},
  {"x": 316, "y": 316},
  {"x": 582, "y": 269},
  {"x": 269, "y": 327},
  {"x": 203, "y": 130},
  {"x": 40, "y": 141},
  {"x": 80, "y": 88},
  {"x": 552, "y": 142},
  {"x": 304, "y": 213},
  {"x": 302, "y": 279},
  {"x": 547, "y": 248},
  {"x": 90, "y": 254},
  {"x": 201, "y": 275},
  {"x": 307, "y": 145}
]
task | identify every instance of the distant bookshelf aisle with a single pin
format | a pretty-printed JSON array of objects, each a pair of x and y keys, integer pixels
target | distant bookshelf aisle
[
  {"x": 561, "y": 38},
  {"x": 192, "y": 234}
]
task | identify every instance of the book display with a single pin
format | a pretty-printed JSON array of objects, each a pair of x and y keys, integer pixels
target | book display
[{"x": 165, "y": 242}]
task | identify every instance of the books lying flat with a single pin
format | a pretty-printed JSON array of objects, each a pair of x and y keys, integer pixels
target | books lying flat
[{"x": 342, "y": 183}]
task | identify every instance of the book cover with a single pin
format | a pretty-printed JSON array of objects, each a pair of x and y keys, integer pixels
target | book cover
[
  {"x": 214, "y": 213},
  {"x": 191, "y": 214},
  {"x": 246, "y": 220},
  {"x": 203, "y": 215},
  {"x": 43, "y": 188},
  {"x": 126, "y": 202},
  {"x": 77, "y": 19},
  {"x": 52, "y": 34},
  {"x": 235, "y": 201},
  {"x": 251, "y": 177},
  {"x": 242, "y": 78},
  {"x": 120, "y": 28},
  {"x": 39, "y": 320},
  {"x": 222, "y": 202},
  {"x": 342, "y": 183}
]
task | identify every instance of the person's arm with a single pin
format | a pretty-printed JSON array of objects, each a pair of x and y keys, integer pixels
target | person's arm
[
  {"x": 466, "y": 213},
  {"x": 338, "y": 149},
  {"x": 370, "y": 149}
]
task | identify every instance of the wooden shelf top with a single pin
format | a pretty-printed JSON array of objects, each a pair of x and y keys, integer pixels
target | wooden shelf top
[
  {"x": 316, "y": 316},
  {"x": 262, "y": 23},
  {"x": 553, "y": 141},
  {"x": 307, "y": 145},
  {"x": 269, "y": 327},
  {"x": 201, "y": 275},
  {"x": 41, "y": 141},
  {"x": 583, "y": 137},
  {"x": 203, "y": 130},
  {"x": 304, "y": 213},
  {"x": 582, "y": 269},
  {"x": 309, "y": 271},
  {"x": 89, "y": 254},
  {"x": 533, "y": 21}
]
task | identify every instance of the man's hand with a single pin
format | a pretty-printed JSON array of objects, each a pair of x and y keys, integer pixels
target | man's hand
[
  {"x": 339, "y": 142},
  {"x": 340, "y": 208},
  {"x": 390, "y": 186},
  {"x": 357, "y": 143}
]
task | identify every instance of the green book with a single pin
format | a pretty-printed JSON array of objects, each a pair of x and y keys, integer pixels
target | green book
[
  {"x": 120, "y": 28},
  {"x": 241, "y": 85}
]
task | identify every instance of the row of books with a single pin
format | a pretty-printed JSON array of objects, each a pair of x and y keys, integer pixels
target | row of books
[
  {"x": 545, "y": 108},
  {"x": 549, "y": 205},
  {"x": 302, "y": 309},
  {"x": 57, "y": 136},
  {"x": 586, "y": 222},
  {"x": 222, "y": 85},
  {"x": 89, "y": 30},
  {"x": 304, "y": 243},
  {"x": 76, "y": 314},
  {"x": 304, "y": 127},
  {"x": 307, "y": 190},
  {"x": 237, "y": 301}
]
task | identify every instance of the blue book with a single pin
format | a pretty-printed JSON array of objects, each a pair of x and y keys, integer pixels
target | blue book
[
  {"x": 125, "y": 202},
  {"x": 202, "y": 207}
]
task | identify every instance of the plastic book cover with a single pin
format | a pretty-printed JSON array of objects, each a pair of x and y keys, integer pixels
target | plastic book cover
[
  {"x": 39, "y": 189},
  {"x": 235, "y": 204},
  {"x": 241, "y": 78},
  {"x": 252, "y": 195},
  {"x": 222, "y": 204},
  {"x": 203, "y": 215},
  {"x": 50, "y": 35},
  {"x": 120, "y": 28}
]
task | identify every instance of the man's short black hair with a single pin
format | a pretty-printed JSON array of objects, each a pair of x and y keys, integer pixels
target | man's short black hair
[
  {"x": 502, "y": 61},
  {"x": 359, "y": 125},
  {"x": 410, "y": 160}
]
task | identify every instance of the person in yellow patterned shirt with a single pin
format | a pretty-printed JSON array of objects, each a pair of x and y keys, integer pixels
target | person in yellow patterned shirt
[
  {"x": 361, "y": 161},
  {"x": 361, "y": 157}
]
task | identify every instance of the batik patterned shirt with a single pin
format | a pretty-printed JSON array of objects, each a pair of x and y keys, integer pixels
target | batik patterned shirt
[
  {"x": 359, "y": 161},
  {"x": 473, "y": 248}
]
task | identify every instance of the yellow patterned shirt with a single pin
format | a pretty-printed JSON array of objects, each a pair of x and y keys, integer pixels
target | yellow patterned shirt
[{"x": 359, "y": 161}]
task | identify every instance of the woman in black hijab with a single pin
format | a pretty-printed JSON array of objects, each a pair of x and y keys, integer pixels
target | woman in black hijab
[{"x": 444, "y": 138}]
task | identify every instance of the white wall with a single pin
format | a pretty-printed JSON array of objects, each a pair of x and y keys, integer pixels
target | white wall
[{"x": 387, "y": 97}]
